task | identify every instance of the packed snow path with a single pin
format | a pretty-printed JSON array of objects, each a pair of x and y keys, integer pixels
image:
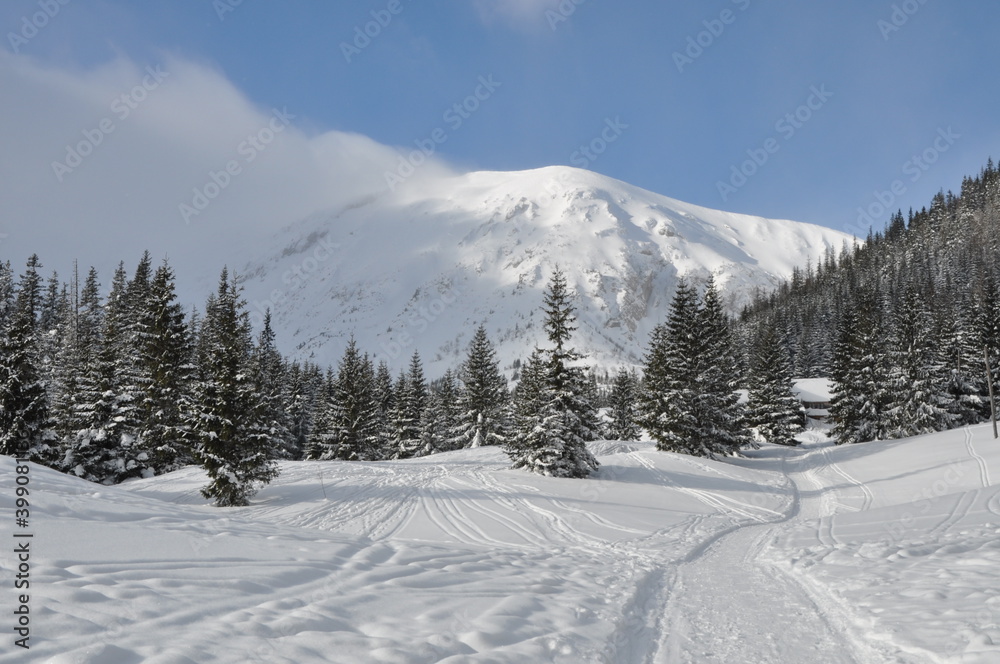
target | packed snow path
[
  {"x": 875, "y": 553},
  {"x": 726, "y": 604}
]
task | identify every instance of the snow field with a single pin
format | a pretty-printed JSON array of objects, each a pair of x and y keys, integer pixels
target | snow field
[
  {"x": 909, "y": 540},
  {"x": 883, "y": 552}
]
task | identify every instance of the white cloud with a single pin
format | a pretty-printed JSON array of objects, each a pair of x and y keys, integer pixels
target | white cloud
[{"x": 147, "y": 153}]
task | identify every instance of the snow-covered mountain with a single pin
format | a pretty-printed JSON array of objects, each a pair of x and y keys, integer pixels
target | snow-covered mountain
[{"x": 420, "y": 268}]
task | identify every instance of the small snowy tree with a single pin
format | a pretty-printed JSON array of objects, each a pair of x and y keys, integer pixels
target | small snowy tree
[
  {"x": 411, "y": 401},
  {"x": 624, "y": 392}
]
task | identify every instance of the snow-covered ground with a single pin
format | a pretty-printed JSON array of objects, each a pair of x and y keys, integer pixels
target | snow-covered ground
[{"x": 883, "y": 552}]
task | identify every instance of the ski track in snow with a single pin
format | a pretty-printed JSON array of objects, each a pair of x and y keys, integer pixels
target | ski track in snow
[
  {"x": 984, "y": 470},
  {"x": 659, "y": 558},
  {"x": 866, "y": 493},
  {"x": 717, "y": 627}
]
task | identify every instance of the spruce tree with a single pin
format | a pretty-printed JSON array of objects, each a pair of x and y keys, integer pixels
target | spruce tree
[
  {"x": 721, "y": 419},
  {"x": 556, "y": 423},
  {"x": 441, "y": 429},
  {"x": 89, "y": 451},
  {"x": 411, "y": 401},
  {"x": 483, "y": 400},
  {"x": 165, "y": 356},
  {"x": 228, "y": 420},
  {"x": 688, "y": 402},
  {"x": 385, "y": 400},
  {"x": 25, "y": 426},
  {"x": 918, "y": 377},
  {"x": 623, "y": 411},
  {"x": 860, "y": 374},
  {"x": 354, "y": 413},
  {"x": 7, "y": 293},
  {"x": 772, "y": 410},
  {"x": 322, "y": 434},
  {"x": 305, "y": 382},
  {"x": 269, "y": 381},
  {"x": 667, "y": 401}
]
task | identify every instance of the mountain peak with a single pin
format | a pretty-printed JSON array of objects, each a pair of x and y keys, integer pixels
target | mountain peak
[{"x": 421, "y": 268}]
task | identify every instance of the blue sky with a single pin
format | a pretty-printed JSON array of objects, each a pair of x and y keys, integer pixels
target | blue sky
[{"x": 889, "y": 89}]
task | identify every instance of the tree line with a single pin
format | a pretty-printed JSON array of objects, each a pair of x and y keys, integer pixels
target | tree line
[
  {"x": 906, "y": 324},
  {"x": 128, "y": 385}
]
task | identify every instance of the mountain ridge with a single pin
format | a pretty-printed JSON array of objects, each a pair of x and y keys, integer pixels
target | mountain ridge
[{"x": 420, "y": 268}]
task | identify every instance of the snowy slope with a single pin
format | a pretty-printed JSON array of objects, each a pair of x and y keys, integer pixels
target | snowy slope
[
  {"x": 419, "y": 269},
  {"x": 881, "y": 552}
]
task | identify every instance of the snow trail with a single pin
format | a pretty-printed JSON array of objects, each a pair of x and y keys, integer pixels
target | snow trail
[
  {"x": 726, "y": 604},
  {"x": 984, "y": 470}
]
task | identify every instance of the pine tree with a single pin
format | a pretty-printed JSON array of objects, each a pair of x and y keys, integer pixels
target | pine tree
[
  {"x": 556, "y": 423},
  {"x": 918, "y": 378},
  {"x": 165, "y": 357},
  {"x": 7, "y": 293},
  {"x": 228, "y": 421},
  {"x": 441, "y": 429},
  {"x": 667, "y": 401},
  {"x": 721, "y": 418},
  {"x": 411, "y": 401},
  {"x": 860, "y": 374},
  {"x": 322, "y": 436},
  {"x": 689, "y": 402},
  {"x": 772, "y": 410},
  {"x": 88, "y": 451},
  {"x": 624, "y": 395},
  {"x": 355, "y": 411},
  {"x": 962, "y": 354},
  {"x": 483, "y": 399},
  {"x": 105, "y": 448},
  {"x": 385, "y": 401},
  {"x": 269, "y": 381},
  {"x": 53, "y": 309},
  {"x": 25, "y": 426},
  {"x": 305, "y": 383}
]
